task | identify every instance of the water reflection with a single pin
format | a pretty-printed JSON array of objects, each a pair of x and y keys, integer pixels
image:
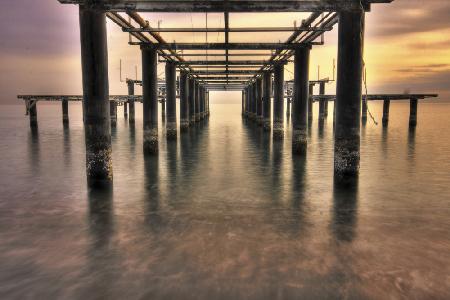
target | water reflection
[
  {"x": 33, "y": 149},
  {"x": 345, "y": 205},
  {"x": 411, "y": 141},
  {"x": 152, "y": 194},
  {"x": 298, "y": 212}
]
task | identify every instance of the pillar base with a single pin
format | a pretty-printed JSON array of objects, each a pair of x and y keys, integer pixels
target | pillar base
[
  {"x": 278, "y": 131},
  {"x": 151, "y": 141},
  {"x": 299, "y": 141},
  {"x": 98, "y": 158},
  {"x": 184, "y": 124},
  {"x": 171, "y": 130},
  {"x": 346, "y": 157},
  {"x": 192, "y": 120},
  {"x": 266, "y": 125}
]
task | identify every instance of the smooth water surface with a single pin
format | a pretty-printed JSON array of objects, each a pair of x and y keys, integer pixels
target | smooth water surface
[{"x": 225, "y": 213}]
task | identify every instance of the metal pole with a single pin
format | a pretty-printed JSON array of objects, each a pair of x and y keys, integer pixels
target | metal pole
[
  {"x": 94, "y": 62},
  {"x": 300, "y": 105},
  {"x": 348, "y": 93},
  {"x": 150, "y": 99}
]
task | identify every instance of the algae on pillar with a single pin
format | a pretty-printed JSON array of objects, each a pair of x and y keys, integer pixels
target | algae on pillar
[
  {"x": 150, "y": 98},
  {"x": 171, "y": 94},
  {"x": 348, "y": 93},
  {"x": 267, "y": 107},
  {"x": 94, "y": 62},
  {"x": 300, "y": 105},
  {"x": 278, "y": 102},
  {"x": 184, "y": 100}
]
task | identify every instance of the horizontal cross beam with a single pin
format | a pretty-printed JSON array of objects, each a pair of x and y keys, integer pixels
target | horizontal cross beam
[
  {"x": 224, "y": 46},
  {"x": 224, "y": 72},
  {"x": 222, "y": 29},
  {"x": 231, "y": 62}
]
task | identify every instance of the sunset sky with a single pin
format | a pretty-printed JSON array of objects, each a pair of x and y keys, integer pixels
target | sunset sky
[{"x": 407, "y": 46}]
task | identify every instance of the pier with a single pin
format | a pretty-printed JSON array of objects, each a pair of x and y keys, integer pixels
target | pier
[{"x": 265, "y": 93}]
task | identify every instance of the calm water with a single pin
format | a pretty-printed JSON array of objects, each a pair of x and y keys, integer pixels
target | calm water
[{"x": 225, "y": 213}]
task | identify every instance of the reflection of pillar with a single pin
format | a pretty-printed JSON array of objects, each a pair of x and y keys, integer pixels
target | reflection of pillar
[
  {"x": 267, "y": 91},
  {"x": 197, "y": 101},
  {"x": 171, "y": 94},
  {"x": 259, "y": 101},
  {"x": 300, "y": 105},
  {"x": 94, "y": 62},
  {"x": 113, "y": 113},
  {"x": 310, "y": 103},
  {"x": 192, "y": 101},
  {"x": 184, "y": 100},
  {"x": 131, "y": 101},
  {"x": 413, "y": 112},
  {"x": 364, "y": 110},
  {"x": 348, "y": 92},
  {"x": 386, "y": 104},
  {"x": 150, "y": 99},
  {"x": 278, "y": 102},
  {"x": 32, "y": 111},
  {"x": 322, "y": 101}
]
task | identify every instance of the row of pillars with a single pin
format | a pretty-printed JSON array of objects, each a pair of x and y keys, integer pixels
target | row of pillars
[{"x": 256, "y": 97}]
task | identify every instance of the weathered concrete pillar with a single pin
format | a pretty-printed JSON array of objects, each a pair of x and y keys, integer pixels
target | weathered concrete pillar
[
  {"x": 184, "y": 100},
  {"x": 113, "y": 113},
  {"x": 300, "y": 105},
  {"x": 192, "y": 107},
  {"x": 288, "y": 107},
  {"x": 364, "y": 111},
  {"x": 65, "y": 111},
  {"x": 131, "y": 118},
  {"x": 32, "y": 112},
  {"x": 94, "y": 62},
  {"x": 197, "y": 101},
  {"x": 267, "y": 107},
  {"x": 413, "y": 112},
  {"x": 150, "y": 98},
  {"x": 386, "y": 104},
  {"x": 259, "y": 102},
  {"x": 348, "y": 93},
  {"x": 171, "y": 96},
  {"x": 322, "y": 101},
  {"x": 278, "y": 102}
]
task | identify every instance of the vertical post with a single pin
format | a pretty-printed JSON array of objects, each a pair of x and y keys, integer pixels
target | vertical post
[
  {"x": 267, "y": 107},
  {"x": 413, "y": 112},
  {"x": 150, "y": 98},
  {"x": 364, "y": 110},
  {"x": 202, "y": 103},
  {"x": 243, "y": 103},
  {"x": 278, "y": 102},
  {"x": 192, "y": 106},
  {"x": 207, "y": 103},
  {"x": 310, "y": 102},
  {"x": 184, "y": 100},
  {"x": 163, "y": 107},
  {"x": 322, "y": 101},
  {"x": 65, "y": 111},
  {"x": 197, "y": 101},
  {"x": 348, "y": 93},
  {"x": 113, "y": 113},
  {"x": 325, "y": 108},
  {"x": 300, "y": 105},
  {"x": 131, "y": 101},
  {"x": 171, "y": 94},
  {"x": 125, "y": 109},
  {"x": 255, "y": 101},
  {"x": 259, "y": 101},
  {"x": 247, "y": 102},
  {"x": 386, "y": 104},
  {"x": 94, "y": 62},
  {"x": 250, "y": 100},
  {"x": 32, "y": 111},
  {"x": 288, "y": 107}
]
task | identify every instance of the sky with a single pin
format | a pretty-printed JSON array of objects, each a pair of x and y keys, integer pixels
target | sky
[{"x": 407, "y": 47}]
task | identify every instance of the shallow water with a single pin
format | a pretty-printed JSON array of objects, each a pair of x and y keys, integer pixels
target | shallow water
[{"x": 225, "y": 213}]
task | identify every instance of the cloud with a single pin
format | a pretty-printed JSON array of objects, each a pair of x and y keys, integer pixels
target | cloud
[{"x": 428, "y": 68}]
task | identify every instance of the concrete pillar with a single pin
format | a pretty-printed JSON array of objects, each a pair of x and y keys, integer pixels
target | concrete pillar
[
  {"x": 322, "y": 101},
  {"x": 300, "y": 105},
  {"x": 413, "y": 112},
  {"x": 125, "y": 110},
  {"x": 171, "y": 96},
  {"x": 94, "y": 62},
  {"x": 131, "y": 118},
  {"x": 65, "y": 111},
  {"x": 386, "y": 104},
  {"x": 184, "y": 100},
  {"x": 150, "y": 98},
  {"x": 288, "y": 107},
  {"x": 259, "y": 101},
  {"x": 310, "y": 103},
  {"x": 278, "y": 102},
  {"x": 364, "y": 111},
  {"x": 113, "y": 113},
  {"x": 197, "y": 101},
  {"x": 243, "y": 103},
  {"x": 267, "y": 107},
  {"x": 207, "y": 103},
  {"x": 325, "y": 109},
  {"x": 251, "y": 92},
  {"x": 192, "y": 101},
  {"x": 163, "y": 108},
  {"x": 348, "y": 93}
]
